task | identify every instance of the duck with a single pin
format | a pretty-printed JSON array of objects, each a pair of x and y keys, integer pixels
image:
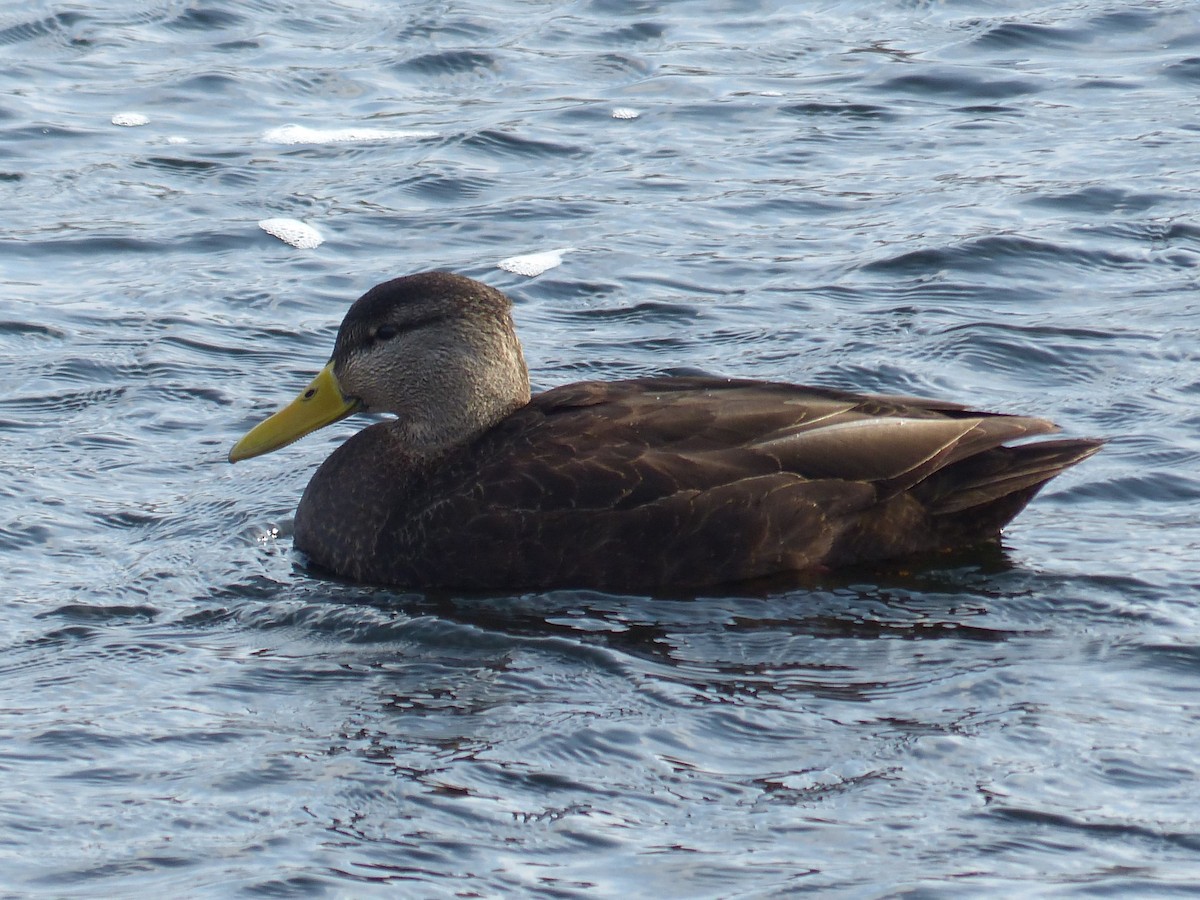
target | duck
[{"x": 681, "y": 482}]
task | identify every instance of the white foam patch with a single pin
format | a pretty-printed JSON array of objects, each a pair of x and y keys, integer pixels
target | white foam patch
[
  {"x": 533, "y": 264},
  {"x": 130, "y": 119},
  {"x": 299, "y": 134},
  {"x": 294, "y": 232},
  {"x": 625, "y": 112}
]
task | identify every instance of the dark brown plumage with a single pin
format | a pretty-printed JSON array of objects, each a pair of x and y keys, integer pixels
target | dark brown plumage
[{"x": 656, "y": 483}]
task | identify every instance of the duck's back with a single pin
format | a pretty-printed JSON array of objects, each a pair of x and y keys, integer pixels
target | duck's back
[{"x": 675, "y": 482}]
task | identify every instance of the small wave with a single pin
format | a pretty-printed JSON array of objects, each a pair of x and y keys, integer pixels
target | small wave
[
  {"x": 983, "y": 254},
  {"x": 960, "y": 82},
  {"x": 1154, "y": 487},
  {"x": 1186, "y": 70},
  {"x": 638, "y": 31},
  {"x": 645, "y": 311},
  {"x": 181, "y": 164},
  {"x": 100, "y": 613},
  {"x": 64, "y": 401},
  {"x": 1016, "y": 35},
  {"x": 504, "y": 142},
  {"x": 451, "y": 62},
  {"x": 23, "y": 329},
  {"x": 446, "y": 186},
  {"x": 1099, "y": 199},
  {"x": 56, "y": 26},
  {"x": 867, "y": 111},
  {"x": 204, "y": 18}
]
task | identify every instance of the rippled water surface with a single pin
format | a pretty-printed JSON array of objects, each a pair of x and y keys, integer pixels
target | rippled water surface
[{"x": 988, "y": 202}]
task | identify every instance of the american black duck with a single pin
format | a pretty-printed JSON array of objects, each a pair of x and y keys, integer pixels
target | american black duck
[{"x": 653, "y": 483}]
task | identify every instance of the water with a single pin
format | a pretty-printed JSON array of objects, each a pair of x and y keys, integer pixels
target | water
[{"x": 991, "y": 202}]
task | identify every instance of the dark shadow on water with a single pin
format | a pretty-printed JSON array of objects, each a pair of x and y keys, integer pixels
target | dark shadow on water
[{"x": 921, "y": 600}]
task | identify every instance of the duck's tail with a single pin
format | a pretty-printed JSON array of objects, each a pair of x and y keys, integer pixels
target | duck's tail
[{"x": 976, "y": 497}]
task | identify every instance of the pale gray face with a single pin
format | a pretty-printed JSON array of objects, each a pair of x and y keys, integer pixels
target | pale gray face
[
  {"x": 412, "y": 334},
  {"x": 437, "y": 350}
]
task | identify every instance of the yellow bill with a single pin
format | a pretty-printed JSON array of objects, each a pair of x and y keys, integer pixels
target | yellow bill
[{"x": 320, "y": 404}]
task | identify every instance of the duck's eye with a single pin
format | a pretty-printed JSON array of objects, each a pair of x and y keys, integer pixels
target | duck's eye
[{"x": 386, "y": 332}]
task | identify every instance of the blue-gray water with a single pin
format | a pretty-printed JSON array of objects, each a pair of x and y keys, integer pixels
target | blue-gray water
[{"x": 994, "y": 202}]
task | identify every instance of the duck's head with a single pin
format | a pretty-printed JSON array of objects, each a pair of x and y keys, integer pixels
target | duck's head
[{"x": 437, "y": 350}]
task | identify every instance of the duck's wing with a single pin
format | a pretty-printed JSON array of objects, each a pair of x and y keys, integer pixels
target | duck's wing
[{"x": 701, "y": 432}]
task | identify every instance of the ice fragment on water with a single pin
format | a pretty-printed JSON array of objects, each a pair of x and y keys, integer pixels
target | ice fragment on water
[
  {"x": 299, "y": 134},
  {"x": 533, "y": 264},
  {"x": 130, "y": 119},
  {"x": 624, "y": 112},
  {"x": 292, "y": 231}
]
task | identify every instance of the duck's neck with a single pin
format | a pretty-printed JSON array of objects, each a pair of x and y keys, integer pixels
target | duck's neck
[{"x": 483, "y": 380}]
